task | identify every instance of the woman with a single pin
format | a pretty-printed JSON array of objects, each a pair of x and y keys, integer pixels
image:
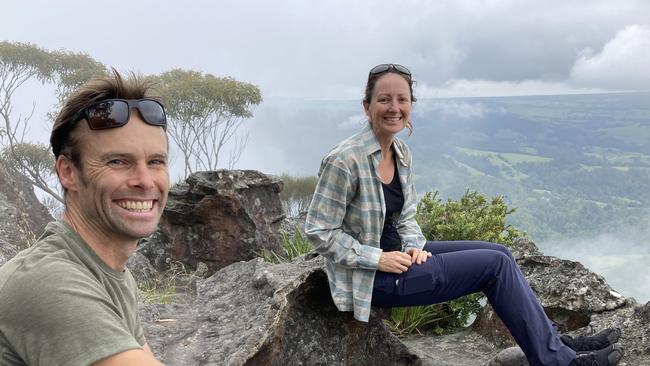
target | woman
[{"x": 362, "y": 220}]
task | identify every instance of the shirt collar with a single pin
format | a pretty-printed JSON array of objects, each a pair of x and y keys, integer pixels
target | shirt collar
[{"x": 371, "y": 144}]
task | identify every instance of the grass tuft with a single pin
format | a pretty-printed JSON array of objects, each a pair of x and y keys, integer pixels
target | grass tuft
[
  {"x": 292, "y": 247},
  {"x": 172, "y": 286}
]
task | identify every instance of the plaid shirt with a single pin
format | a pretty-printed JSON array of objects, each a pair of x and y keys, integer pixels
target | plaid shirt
[{"x": 346, "y": 217}]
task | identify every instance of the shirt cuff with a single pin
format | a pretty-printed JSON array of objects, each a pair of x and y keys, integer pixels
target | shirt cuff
[
  {"x": 412, "y": 245},
  {"x": 369, "y": 257}
]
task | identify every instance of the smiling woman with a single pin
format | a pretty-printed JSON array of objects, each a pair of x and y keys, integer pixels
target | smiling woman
[{"x": 362, "y": 220}]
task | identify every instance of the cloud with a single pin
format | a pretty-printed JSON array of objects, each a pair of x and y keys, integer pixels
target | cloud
[
  {"x": 324, "y": 50},
  {"x": 623, "y": 63},
  {"x": 453, "y": 108},
  {"x": 484, "y": 88}
]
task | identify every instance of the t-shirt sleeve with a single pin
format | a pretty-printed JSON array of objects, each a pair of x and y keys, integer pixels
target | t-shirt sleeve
[{"x": 60, "y": 317}]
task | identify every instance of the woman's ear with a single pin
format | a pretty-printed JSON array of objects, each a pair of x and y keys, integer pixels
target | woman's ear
[
  {"x": 366, "y": 107},
  {"x": 67, "y": 173}
]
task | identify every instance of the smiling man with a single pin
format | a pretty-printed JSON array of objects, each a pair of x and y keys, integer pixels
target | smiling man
[{"x": 69, "y": 299}]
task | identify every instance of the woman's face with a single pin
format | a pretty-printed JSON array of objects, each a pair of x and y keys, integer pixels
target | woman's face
[{"x": 390, "y": 106}]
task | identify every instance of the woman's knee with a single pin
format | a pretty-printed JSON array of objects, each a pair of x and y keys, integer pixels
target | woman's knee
[{"x": 503, "y": 249}]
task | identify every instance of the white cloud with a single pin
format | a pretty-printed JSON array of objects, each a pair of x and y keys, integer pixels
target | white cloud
[
  {"x": 484, "y": 88},
  {"x": 623, "y": 63},
  {"x": 452, "y": 108}
]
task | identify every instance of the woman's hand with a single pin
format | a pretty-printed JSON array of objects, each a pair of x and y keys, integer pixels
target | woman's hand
[
  {"x": 418, "y": 256},
  {"x": 394, "y": 262}
]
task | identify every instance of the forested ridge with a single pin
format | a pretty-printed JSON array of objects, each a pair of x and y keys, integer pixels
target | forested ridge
[{"x": 572, "y": 165}]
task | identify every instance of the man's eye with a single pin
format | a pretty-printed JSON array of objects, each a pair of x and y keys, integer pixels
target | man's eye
[
  {"x": 158, "y": 162},
  {"x": 116, "y": 162}
]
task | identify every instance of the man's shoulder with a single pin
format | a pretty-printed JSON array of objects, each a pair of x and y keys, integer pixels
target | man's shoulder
[
  {"x": 44, "y": 268},
  {"x": 35, "y": 273}
]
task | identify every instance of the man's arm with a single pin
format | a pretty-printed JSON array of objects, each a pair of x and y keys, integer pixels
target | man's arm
[{"x": 133, "y": 357}]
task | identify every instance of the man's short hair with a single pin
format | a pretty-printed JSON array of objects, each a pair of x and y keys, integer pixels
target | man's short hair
[{"x": 64, "y": 140}]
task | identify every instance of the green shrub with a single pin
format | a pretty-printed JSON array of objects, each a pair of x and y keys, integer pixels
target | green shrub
[
  {"x": 292, "y": 246},
  {"x": 473, "y": 217}
]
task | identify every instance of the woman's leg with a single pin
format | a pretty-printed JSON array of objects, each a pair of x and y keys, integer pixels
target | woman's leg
[
  {"x": 450, "y": 274},
  {"x": 440, "y": 247}
]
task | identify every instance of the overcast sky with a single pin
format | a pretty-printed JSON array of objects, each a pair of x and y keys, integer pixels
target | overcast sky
[{"x": 323, "y": 49}]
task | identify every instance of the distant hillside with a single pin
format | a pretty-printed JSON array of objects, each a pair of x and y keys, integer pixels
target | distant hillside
[{"x": 573, "y": 165}]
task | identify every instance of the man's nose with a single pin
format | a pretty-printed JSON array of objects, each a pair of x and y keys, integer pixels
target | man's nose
[{"x": 141, "y": 177}]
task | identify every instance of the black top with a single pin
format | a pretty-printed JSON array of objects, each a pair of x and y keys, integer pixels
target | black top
[{"x": 394, "y": 199}]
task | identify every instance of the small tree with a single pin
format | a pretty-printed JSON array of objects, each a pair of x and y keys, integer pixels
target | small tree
[
  {"x": 473, "y": 217},
  {"x": 20, "y": 62},
  {"x": 205, "y": 113}
]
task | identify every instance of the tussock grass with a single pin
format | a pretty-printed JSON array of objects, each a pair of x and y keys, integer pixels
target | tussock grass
[
  {"x": 172, "y": 286},
  {"x": 291, "y": 247}
]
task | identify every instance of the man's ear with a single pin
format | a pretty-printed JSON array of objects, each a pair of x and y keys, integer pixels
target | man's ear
[{"x": 67, "y": 172}]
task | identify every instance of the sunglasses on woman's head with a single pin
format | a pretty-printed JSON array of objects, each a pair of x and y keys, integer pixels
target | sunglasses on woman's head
[
  {"x": 112, "y": 113},
  {"x": 380, "y": 69}
]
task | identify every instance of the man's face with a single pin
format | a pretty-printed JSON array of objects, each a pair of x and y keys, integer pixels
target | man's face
[{"x": 122, "y": 187}]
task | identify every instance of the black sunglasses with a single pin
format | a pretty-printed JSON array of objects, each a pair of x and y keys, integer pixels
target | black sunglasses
[
  {"x": 380, "y": 69},
  {"x": 112, "y": 113}
]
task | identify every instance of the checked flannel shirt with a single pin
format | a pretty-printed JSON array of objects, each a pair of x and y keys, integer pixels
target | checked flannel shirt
[{"x": 346, "y": 217}]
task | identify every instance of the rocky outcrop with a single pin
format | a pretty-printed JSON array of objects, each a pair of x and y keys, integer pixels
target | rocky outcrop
[
  {"x": 634, "y": 321},
  {"x": 569, "y": 292},
  {"x": 255, "y": 313},
  {"x": 22, "y": 216},
  {"x": 7, "y": 251},
  {"x": 218, "y": 218},
  {"x": 576, "y": 299}
]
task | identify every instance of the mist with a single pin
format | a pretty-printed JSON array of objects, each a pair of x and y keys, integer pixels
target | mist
[{"x": 621, "y": 257}]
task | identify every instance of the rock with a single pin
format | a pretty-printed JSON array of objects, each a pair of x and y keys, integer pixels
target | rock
[
  {"x": 568, "y": 289},
  {"x": 489, "y": 325},
  {"x": 22, "y": 216},
  {"x": 569, "y": 292},
  {"x": 634, "y": 321},
  {"x": 256, "y": 313},
  {"x": 141, "y": 268},
  {"x": 7, "y": 251},
  {"x": 460, "y": 348},
  {"x": 292, "y": 224},
  {"x": 522, "y": 247},
  {"x": 218, "y": 218},
  {"x": 635, "y": 338},
  {"x": 512, "y": 356}
]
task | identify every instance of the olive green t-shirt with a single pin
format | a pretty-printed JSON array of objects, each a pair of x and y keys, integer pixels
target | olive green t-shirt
[{"x": 60, "y": 304}]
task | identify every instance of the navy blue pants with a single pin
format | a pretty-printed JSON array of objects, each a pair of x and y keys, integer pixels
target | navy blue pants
[{"x": 458, "y": 268}]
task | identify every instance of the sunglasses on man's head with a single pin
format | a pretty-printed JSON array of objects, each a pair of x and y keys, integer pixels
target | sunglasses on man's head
[
  {"x": 380, "y": 69},
  {"x": 112, "y": 113}
]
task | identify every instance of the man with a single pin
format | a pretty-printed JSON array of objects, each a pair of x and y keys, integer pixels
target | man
[{"x": 69, "y": 299}]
